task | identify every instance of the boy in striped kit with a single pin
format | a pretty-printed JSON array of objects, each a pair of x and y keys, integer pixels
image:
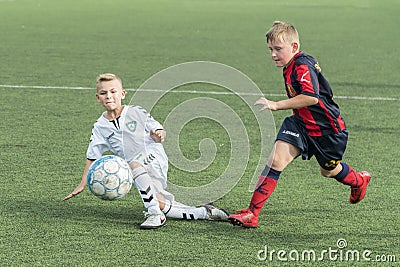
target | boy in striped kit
[{"x": 316, "y": 127}]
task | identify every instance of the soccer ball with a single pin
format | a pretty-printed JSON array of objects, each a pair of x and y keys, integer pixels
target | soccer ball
[{"x": 109, "y": 177}]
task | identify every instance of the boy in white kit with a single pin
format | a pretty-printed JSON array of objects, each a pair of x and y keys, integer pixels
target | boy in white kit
[{"x": 131, "y": 133}]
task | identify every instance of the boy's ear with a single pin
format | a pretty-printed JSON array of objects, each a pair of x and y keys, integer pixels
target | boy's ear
[
  {"x": 123, "y": 94},
  {"x": 295, "y": 47},
  {"x": 98, "y": 97}
]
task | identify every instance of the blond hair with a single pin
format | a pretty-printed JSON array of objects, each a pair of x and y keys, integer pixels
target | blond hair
[
  {"x": 105, "y": 77},
  {"x": 282, "y": 31}
]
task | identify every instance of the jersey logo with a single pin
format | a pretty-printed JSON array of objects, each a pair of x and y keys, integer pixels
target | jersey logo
[
  {"x": 131, "y": 126},
  {"x": 291, "y": 133},
  {"x": 290, "y": 91},
  {"x": 302, "y": 77},
  {"x": 317, "y": 67}
]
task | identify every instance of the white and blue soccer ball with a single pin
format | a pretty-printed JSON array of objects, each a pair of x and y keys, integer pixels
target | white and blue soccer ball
[{"x": 110, "y": 177}]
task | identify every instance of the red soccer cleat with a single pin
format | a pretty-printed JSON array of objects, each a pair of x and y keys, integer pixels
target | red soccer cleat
[
  {"x": 358, "y": 193},
  {"x": 244, "y": 218}
]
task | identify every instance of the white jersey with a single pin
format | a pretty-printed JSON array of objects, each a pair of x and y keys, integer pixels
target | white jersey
[{"x": 128, "y": 137}]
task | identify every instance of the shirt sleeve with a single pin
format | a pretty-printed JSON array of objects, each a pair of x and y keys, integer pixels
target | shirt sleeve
[
  {"x": 152, "y": 124},
  {"x": 97, "y": 146},
  {"x": 308, "y": 80}
]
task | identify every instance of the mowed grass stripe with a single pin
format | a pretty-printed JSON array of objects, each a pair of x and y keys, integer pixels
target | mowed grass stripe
[{"x": 192, "y": 92}]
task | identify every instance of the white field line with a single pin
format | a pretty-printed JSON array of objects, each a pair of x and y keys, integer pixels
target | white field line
[
  {"x": 193, "y": 92},
  {"x": 286, "y": 4}
]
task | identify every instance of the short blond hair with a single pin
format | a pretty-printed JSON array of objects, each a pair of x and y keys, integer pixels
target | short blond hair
[
  {"x": 105, "y": 77},
  {"x": 282, "y": 31}
]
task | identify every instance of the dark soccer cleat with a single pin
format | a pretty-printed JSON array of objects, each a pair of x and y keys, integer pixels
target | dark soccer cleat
[
  {"x": 358, "y": 193},
  {"x": 244, "y": 218}
]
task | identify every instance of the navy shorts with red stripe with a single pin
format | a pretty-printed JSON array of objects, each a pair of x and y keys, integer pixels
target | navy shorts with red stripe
[{"x": 327, "y": 149}]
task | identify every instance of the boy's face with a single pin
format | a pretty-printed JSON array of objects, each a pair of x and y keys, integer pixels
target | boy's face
[
  {"x": 110, "y": 94},
  {"x": 282, "y": 52}
]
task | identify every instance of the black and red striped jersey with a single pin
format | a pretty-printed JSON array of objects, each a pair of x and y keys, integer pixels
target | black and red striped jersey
[{"x": 303, "y": 76}]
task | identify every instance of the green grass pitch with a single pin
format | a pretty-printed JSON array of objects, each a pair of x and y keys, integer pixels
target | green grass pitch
[{"x": 45, "y": 131}]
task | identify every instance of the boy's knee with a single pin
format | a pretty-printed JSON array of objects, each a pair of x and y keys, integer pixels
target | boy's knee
[
  {"x": 134, "y": 165},
  {"x": 326, "y": 173},
  {"x": 161, "y": 200}
]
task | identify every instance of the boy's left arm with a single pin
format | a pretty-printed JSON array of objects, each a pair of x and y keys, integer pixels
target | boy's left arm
[
  {"x": 157, "y": 132},
  {"x": 158, "y": 135}
]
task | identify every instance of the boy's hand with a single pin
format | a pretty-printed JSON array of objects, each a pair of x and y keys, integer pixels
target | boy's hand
[
  {"x": 77, "y": 190},
  {"x": 267, "y": 104},
  {"x": 158, "y": 136}
]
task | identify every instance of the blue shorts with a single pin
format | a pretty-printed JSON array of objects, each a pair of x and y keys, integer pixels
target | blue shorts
[{"x": 327, "y": 149}]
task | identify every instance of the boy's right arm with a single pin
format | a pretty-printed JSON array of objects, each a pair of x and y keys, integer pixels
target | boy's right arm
[
  {"x": 83, "y": 182},
  {"x": 298, "y": 101}
]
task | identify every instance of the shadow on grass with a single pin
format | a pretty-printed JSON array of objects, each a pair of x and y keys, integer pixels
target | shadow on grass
[
  {"x": 86, "y": 210},
  {"x": 279, "y": 226}
]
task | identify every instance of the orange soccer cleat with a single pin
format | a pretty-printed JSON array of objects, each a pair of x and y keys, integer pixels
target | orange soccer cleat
[
  {"x": 244, "y": 218},
  {"x": 358, "y": 192}
]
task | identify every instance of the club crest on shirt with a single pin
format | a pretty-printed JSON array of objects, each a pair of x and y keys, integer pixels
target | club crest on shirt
[
  {"x": 290, "y": 91},
  {"x": 131, "y": 126},
  {"x": 317, "y": 67}
]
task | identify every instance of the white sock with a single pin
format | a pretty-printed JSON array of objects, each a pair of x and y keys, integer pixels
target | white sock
[
  {"x": 146, "y": 189},
  {"x": 181, "y": 211}
]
